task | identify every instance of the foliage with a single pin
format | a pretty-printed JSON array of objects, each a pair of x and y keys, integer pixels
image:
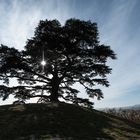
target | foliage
[{"x": 72, "y": 53}]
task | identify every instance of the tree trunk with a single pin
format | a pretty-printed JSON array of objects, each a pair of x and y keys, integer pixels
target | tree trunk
[
  {"x": 55, "y": 87},
  {"x": 54, "y": 97}
]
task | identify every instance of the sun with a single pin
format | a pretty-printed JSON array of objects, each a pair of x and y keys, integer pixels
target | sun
[{"x": 43, "y": 63}]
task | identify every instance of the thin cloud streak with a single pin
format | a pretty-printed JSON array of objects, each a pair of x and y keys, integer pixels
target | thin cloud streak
[
  {"x": 18, "y": 23},
  {"x": 126, "y": 68}
]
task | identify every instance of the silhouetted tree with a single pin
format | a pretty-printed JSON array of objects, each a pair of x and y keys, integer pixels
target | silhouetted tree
[{"x": 72, "y": 54}]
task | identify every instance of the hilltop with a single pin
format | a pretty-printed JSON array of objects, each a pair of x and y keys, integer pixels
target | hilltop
[{"x": 61, "y": 121}]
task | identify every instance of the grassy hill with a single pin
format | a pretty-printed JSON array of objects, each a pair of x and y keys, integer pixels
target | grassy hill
[{"x": 62, "y": 122}]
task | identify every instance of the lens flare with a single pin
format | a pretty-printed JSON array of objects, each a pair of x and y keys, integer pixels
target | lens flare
[{"x": 43, "y": 63}]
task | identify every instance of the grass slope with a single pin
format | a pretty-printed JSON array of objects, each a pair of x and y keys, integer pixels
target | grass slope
[{"x": 66, "y": 121}]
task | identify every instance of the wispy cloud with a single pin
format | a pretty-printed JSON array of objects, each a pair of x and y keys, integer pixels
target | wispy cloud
[
  {"x": 20, "y": 17},
  {"x": 116, "y": 32}
]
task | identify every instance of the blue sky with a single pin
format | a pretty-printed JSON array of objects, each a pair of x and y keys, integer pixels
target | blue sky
[{"x": 119, "y": 26}]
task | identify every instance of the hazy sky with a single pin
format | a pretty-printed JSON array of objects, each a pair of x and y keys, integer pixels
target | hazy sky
[{"x": 119, "y": 26}]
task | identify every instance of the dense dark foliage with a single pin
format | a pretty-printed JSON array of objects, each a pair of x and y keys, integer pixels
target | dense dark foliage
[{"x": 72, "y": 53}]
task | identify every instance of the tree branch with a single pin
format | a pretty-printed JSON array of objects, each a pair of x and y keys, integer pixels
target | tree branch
[
  {"x": 34, "y": 96},
  {"x": 34, "y": 80},
  {"x": 44, "y": 77}
]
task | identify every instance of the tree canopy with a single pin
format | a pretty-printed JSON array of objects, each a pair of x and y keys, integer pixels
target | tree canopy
[{"x": 70, "y": 53}]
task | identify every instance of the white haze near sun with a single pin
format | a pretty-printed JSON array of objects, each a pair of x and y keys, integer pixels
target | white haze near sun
[{"x": 118, "y": 22}]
